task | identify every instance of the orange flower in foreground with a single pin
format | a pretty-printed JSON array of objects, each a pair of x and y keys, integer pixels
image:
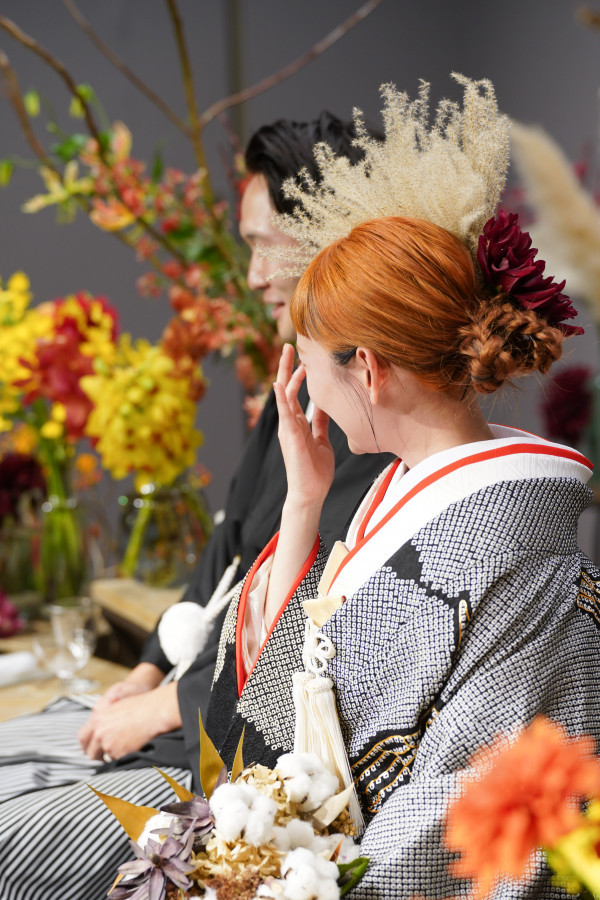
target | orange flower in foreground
[{"x": 522, "y": 796}]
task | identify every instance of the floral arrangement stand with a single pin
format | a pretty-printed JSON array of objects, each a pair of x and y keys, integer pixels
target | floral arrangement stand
[{"x": 277, "y": 833}]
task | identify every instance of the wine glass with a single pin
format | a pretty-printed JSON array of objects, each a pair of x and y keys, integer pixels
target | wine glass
[
  {"x": 58, "y": 659},
  {"x": 73, "y": 627}
]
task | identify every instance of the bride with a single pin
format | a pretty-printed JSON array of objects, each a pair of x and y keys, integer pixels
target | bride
[{"x": 458, "y": 606}]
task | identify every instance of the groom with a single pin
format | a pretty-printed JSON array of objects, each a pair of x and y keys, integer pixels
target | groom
[{"x": 140, "y": 722}]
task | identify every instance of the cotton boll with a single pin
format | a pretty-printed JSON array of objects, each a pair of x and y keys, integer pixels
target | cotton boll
[
  {"x": 241, "y": 811},
  {"x": 295, "y": 834},
  {"x": 306, "y": 876},
  {"x": 161, "y": 822},
  {"x": 183, "y": 631},
  {"x": 230, "y": 806},
  {"x": 259, "y": 826},
  {"x": 306, "y": 780},
  {"x": 226, "y": 794},
  {"x": 300, "y": 834},
  {"x": 264, "y": 891}
]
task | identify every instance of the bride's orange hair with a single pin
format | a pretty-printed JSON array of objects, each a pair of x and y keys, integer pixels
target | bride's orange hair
[{"x": 406, "y": 290}]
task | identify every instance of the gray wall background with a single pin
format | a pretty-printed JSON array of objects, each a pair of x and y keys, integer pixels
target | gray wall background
[{"x": 545, "y": 67}]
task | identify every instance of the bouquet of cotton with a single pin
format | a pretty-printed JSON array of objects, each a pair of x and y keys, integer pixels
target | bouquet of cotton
[{"x": 282, "y": 833}]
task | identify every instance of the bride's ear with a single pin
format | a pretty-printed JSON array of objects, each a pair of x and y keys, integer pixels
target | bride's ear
[{"x": 371, "y": 372}]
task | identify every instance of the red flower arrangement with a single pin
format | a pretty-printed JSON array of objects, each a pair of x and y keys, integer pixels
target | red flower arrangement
[
  {"x": 508, "y": 263},
  {"x": 79, "y": 322},
  {"x": 568, "y": 406},
  {"x": 10, "y": 618}
]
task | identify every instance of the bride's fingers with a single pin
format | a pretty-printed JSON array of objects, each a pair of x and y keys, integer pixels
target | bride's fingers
[
  {"x": 293, "y": 387},
  {"x": 286, "y": 365},
  {"x": 286, "y": 416}
]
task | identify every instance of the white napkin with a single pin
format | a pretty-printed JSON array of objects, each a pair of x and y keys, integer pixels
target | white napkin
[{"x": 20, "y": 666}]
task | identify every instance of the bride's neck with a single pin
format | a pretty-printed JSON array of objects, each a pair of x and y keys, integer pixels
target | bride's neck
[{"x": 430, "y": 424}]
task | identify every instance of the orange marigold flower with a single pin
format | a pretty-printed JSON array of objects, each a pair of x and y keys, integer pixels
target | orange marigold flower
[{"x": 523, "y": 795}]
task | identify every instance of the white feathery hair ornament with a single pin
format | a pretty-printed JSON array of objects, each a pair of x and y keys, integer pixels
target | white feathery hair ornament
[{"x": 451, "y": 173}]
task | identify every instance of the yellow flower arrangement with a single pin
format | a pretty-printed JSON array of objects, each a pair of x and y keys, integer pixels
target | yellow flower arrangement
[
  {"x": 143, "y": 416},
  {"x": 21, "y": 329},
  {"x": 67, "y": 375}
]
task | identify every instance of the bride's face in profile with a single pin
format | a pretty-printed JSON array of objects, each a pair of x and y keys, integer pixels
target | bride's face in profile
[{"x": 339, "y": 392}]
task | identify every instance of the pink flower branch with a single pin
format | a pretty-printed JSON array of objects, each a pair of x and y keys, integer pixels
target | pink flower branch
[{"x": 62, "y": 71}]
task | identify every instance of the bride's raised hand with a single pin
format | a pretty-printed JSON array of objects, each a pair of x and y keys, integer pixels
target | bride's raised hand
[{"x": 307, "y": 453}]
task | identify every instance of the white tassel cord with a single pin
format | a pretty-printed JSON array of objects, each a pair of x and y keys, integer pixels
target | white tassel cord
[{"x": 318, "y": 728}]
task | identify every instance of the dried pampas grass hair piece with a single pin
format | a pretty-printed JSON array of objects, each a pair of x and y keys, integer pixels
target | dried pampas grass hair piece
[
  {"x": 567, "y": 227},
  {"x": 451, "y": 173}
]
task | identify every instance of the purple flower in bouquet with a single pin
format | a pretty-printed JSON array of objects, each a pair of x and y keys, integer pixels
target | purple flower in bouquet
[
  {"x": 20, "y": 474},
  {"x": 156, "y": 865},
  {"x": 508, "y": 263},
  {"x": 10, "y": 620},
  {"x": 194, "y": 814},
  {"x": 568, "y": 406}
]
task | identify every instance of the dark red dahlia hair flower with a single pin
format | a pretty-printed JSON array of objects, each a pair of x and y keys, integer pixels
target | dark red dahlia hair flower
[{"x": 508, "y": 262}]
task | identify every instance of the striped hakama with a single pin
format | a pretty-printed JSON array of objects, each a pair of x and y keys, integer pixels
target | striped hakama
[{"x": 57, "y": 839}]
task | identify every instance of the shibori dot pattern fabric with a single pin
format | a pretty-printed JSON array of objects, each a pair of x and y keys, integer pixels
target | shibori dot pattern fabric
[
  {"x": 494, "y": 623},
  {"x": 265, "y": 707},
  {"x": 487, "y": 616}
]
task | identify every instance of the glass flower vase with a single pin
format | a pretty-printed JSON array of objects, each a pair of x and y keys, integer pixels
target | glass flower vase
[
  {"x": 20, "y": 539},
  {"x": 61, "y": 569},
  {"x": 61, "y": 562},
  {"x": 162, "y": 533}
]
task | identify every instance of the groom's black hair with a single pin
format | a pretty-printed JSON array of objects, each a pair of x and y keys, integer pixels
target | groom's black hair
[{"x": 280, "y": 150}]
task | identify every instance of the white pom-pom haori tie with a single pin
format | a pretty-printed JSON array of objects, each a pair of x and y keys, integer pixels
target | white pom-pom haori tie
[{"x": 185, "y": 627}]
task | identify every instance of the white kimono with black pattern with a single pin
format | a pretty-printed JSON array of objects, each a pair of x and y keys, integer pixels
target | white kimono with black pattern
[{"x": 468, "y": 610}]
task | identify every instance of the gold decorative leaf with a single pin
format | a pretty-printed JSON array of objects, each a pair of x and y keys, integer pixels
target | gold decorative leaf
[
  {"x": 210, "y": 761},
  {"x": 238, "y": 762},
  {"x": 133, "y": 818},
  {"x": 182, "y": 792}
]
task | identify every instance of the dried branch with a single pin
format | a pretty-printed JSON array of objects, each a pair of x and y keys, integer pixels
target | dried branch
[
  {"x": 293, "y": 67},
  {"x": 15, "y": 97},
  {"x": 190, "y": 95},
  {"x": 587, "y": 16},
  {"x": 123, "y": 68},
  {"x": 61, "y": 70},
  {"x": 54, "y": 64}
]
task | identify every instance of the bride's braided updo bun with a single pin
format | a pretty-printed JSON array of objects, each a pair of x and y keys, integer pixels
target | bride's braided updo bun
[
  {"x": 406, "y": 289},
  {"x": 503, "y": 341}
]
